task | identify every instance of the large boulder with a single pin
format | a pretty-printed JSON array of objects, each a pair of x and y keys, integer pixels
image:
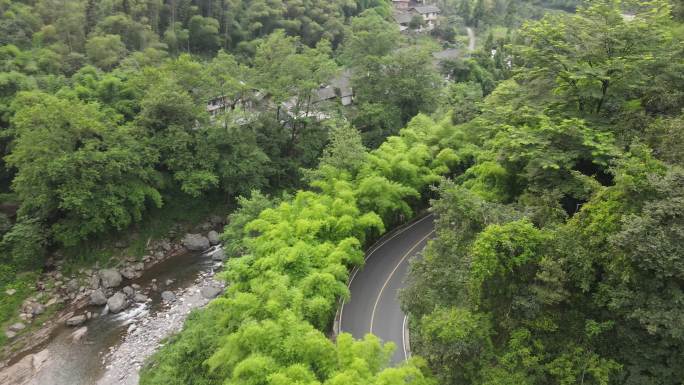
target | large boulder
[
  {"x": 195, "y": 242},
  {"x": 219, "y": 255},
  {"x": 117, "y": 302},
  {"x": 140, "y": 298},
  {"x": 72, "y": 286},
  {"x": 37, "y": 309},
  {"x": 128, "y": 291},
  {"x": 76, "y": 320},
  {"x": 216, "y": 220},
  {"x": 110, "y": 278},
  {"x": 79, "y": 334},
  {"x": 213, "y": 237},
  {"x": 98, "y": 297},
  {"x": 210, "y": 292},
  {"x": 17, "y": 327},
  {"x": 94, "y": 282},
  {"x": 168, "y": 296},
  {"x": 129, "y": 273}
]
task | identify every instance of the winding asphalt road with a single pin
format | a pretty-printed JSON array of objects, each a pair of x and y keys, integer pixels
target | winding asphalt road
[{"x": 374, "y": 305}]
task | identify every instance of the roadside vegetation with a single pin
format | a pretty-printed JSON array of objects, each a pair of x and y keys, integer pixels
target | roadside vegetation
[{"x": 559, "y": 251}]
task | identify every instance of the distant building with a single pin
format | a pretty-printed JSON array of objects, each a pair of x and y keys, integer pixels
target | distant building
[
  {"x": 339, "y": 87},
  {"x": 406, "y": 10}
]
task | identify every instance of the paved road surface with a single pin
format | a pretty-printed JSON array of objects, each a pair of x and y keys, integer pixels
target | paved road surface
[
  {"x": 374, "y": 306},
  {"x": 471, "y": 39}
]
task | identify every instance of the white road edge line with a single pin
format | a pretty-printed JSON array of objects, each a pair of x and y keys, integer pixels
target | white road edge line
[
  {"x": 403, "y": 337},
  {"x": 373, "y": 251},
  {"x": 382, "y": 289}
]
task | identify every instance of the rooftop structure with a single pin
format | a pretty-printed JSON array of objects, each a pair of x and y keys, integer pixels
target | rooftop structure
[{"x": 406, "y": 10}]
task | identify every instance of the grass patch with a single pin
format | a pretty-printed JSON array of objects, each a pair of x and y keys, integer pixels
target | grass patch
[{"x": 25, "y": 286}]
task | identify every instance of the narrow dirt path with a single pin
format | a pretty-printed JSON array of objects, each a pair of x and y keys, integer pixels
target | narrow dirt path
[{"x": 471, "y": 39}]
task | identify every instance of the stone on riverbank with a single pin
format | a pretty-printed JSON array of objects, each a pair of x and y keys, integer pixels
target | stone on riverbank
[
  {"x": 76, "y": 320},
  {"x": 140, "y": 298},
  {"x": 17, "y": 327},
  {"x": 213, "y": 237},
  {"x": 117, "y": 302},
  {"x": 195, "y": 242},
  {"x": 128, "y": 291},
  {"x": 219, "y": 255},
  {"x": 210, "y": 292},
  {"x": 168, "y": 296},
  {"x": 94, "y": 282},
  {"x": 98, "y": 298},
  {"x": 110, "y": 278},
  {"x": 79, "y": 334},
  {"x": 129, "y": 273}
]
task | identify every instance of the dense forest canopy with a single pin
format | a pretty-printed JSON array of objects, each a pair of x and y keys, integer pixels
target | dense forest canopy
[
  {"x": 552, "y": 156},
  {"x": 558, "y": 259}
]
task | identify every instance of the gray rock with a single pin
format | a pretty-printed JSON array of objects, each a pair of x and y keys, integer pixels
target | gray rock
[
  {"x": 10, "y": 291},
  {"x": 168, "y": 282},
  {"x": 216, "y": 220},
  {"x": 129, "y": 273},
  {"x": 79, "y": 334},
  {"x": 140, "y": 298},
  {"x": 213, "y": 237},
  {"x": 117, "y": 302},
  {"x": 131, "y": 328},
  {"x": 206, "y": 226},
  {"x": 128, "y": 291},
  {"x": 37, "y": 309},
  {"x": 135, "y": 286},
  {"x": 166, "y": 245},
  {"x": 19, "y": 373},
  {"x": 110, "y": 278},
  {"x": 219, "y": 255},
  {"x": 76, "y": 320},
  {"x": 195, "y": 242},
  {"x": 72, "y": 286},
  {"x": 17, "y": 327},
  {"x": 10, "y": 334},
  {"x": 98, "y": 298},
  {"x": 168, "y": 296},
  {"x": 210, "y": 292},
  {"x": 94, "y": 282},
  {"x": 138, "y": 266}
]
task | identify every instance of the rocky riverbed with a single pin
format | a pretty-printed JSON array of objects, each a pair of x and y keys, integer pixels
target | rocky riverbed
[
  {"x": 123, "y": 362},
  {"x": 119, "y": 320}
]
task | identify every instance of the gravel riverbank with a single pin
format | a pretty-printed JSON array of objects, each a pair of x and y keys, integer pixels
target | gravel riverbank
[{"x": 145, "y": 333}]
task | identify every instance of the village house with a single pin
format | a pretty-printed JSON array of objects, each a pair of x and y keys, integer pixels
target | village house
[
  {"x": 338, "y": 90},
  {"x": 406, "y": 10}
]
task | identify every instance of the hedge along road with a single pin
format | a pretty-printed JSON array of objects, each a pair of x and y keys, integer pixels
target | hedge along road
[{"x": 374, "y": 304}]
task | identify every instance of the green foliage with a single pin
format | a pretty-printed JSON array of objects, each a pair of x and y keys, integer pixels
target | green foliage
[
  {"x": 105, "y": 51},
  {"x": 77, "y": 170},
  {"x": 596, "y": 58},
  {"x": 402, "y": 84},
  {"x": 23, "y": 248},
  {"x": 293, "y": 265},
  {"x": 248, "y": 210},
  {"x": 558, "y": 251}
]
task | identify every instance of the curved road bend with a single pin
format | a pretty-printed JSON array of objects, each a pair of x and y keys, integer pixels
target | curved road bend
[{"x": 374, "y": 304}]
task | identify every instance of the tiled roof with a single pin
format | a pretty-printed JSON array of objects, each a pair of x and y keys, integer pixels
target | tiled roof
[
  {"x": 402, "y": 17},
  {"x": 423, "y": 9}
]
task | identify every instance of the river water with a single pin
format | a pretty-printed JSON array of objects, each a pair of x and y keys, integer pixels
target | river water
[{"x": 116, "y": 344}]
